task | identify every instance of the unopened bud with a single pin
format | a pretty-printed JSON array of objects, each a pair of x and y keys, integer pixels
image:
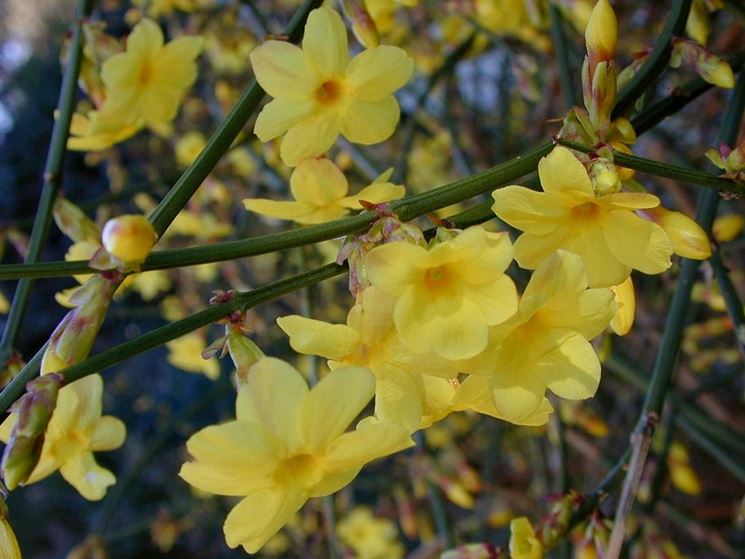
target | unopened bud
[
  {"x": 73, "y": 338},
  {"x": 244, "y": 353},
  {"x": 727, "y": 227},
  {"x": 32, "y": 412},
  {"x": 129, "y": 238},
  {"x": 709, "y": 66},
  {"x": 689, "y": 240},
  {"x": 601, "y": 35},
  {"x": 73, "y": 222},
  {"x": 604, "y": 177},
  {"x": 363, "y": 25},
  {"x": 523, "y": 541}
]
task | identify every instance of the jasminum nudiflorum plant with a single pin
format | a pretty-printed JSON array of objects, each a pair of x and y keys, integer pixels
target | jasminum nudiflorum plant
[{"x": 530, "y": 274}]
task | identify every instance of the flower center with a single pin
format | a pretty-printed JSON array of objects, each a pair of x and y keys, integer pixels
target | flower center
[
  {"x": 586, "y": 212},
  {"x": 145, "y": 75},
  {"x": 329, "y": 92},
  {"x": 436, "y": 279},
  {"x": 301, "y": 469}
]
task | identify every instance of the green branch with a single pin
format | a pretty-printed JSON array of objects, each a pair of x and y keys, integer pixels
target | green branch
[
  {"x": 657, "y": 60},
  {"x": 52, "y": 180},
  {"x": 666, "y": 170}
]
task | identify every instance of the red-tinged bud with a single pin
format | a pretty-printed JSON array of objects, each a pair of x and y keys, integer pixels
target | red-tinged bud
[
  {"x": 129, "y": 238},
  {"x": 601, "y": 35},
  {"x": 32, "y": 412},
  {"x": 73, "y": 338},
  {"x": 363, "y": 25},
  {"x": 244, "y": 353},
  {"x": 709, "y": 66}
]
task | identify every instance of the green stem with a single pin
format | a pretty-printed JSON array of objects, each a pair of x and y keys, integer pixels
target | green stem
[
  {"x": 566, "y": 77},
  {"x": 666, "y": 170},
  {"x": 220, "y": 141},
  {"x": 52, "y": 180},
  {"x": 657, "y": 60},
  {"x": 407, "y": 209},
  {"x": 731, "y": 298}
]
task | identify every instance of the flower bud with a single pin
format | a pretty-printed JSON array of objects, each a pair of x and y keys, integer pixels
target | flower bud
[
  {"x": 32, "y": 412},
  {"x": 244, "y": 353},
  {"x": 129, "y": 238},
  {"x": 601, "y": 35},
  {"x": 523, "y": 542},
  {"x": 727, "y": 227},
  {"x": 689, "y": 240},
  {"x": 73, "y": 222},
  {"x": 73, "y": 338},
  {"x": 604, "y": 177}
]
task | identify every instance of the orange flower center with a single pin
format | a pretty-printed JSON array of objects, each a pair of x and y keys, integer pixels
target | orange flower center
[
  {"x": 588, "y": 211},
  {"x": 145, "y": 75},
  {"x": 436, "y": 279},
  {"x": 329, "y": 92}
]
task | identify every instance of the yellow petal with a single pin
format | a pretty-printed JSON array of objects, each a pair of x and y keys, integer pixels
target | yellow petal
[
  {"x": 523, "y": 542},
  {"x": 631, "y": 200},
  {"x": 638, "y": 243},
  {"x": 333, "y": 404},
  {"x": 625, "y": 298},
  {"x": 314, "y": 337},
  {"x": 261, "y": 515},
  {"x": 145, "y": 39},
  {"x": 688, "y": 238},
  {"x": 398, "y": 398},
  {"x": 278, "y": 116},
  {"x": 318, "y": 182},
  {"x": 527, "y": 210},
  {"x": 325, "y": 42},
  {"x": 375, "y": 193},
  {"x": 531, "y": 250},
  {"x": 108, "y": 434},
  {"x": 283, "y": 70},
  {"x": 313, "y": 136},
  {"x": 84, "y": 474},
  {"x": 497, "y": 300},
  {"x": 278, "y": 209},
  {"x": 277, "y": 392},
  {"x": 390, "y": 266},
  {"x": 603, "y": 267},
  {"x": 371, "y": 440},
  {"x": 370, "y": 122},
  {"x": 572, "y": 369},
  {"x": 560, "y": 171},
  {"x": 516, "y": 391},
  {"x": 377, "y": 72},
  {"x": 224, "y": 453}
]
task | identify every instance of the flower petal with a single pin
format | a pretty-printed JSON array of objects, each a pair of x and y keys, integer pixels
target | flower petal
[
  {"x": 315, "y": 337},
  {"x": 603, "y": 267},
  {"x": 325, "y": 43},
  {"x": 283, "y": 70},
  {"x": 631, "y": 200},
  {"x": 333, "y": 404},
  {"x": 84, "y": 474},
  {"x": 375, "y": 193},
  {"x": 145, "y": 39},
  {"x": 391, "y": 269},
  {"x": 370, "y": 122},
  {"x": 572, "y": 369},
  {"x": 311, "y": 137},
  {"x": 277, "y": 208},
  {"x": 638, "y": 243},
  {"x": 372, "y": 439},
  {"x": 108, "y": 434},
  {"x": 278, "y": 116},
  {"x": 377, "y": 72},
  {"x": 531, "y": 250},
  {"x": 526, "y": 209},
  {"x": 318, "y": 182},
  {"x": 561, "y": 171},
  {"x": 261, "y": 515}
]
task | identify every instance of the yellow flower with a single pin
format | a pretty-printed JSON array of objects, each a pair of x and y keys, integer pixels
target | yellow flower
[
  {"x": 319, "y": 93},
  {"x": 603, "y": 230},
  {"x": 368, "y": 536},
  {"x": 150, "y": 79},
  {"x": 75, "y": 431},
  {"x": 682, "y": 475},
  {"x": 99, "y": 130},
  {"x": 404, "y": 391},
  {"x": 545, "y": 345},
  {"x": 727, "y": 227},
  {"x": 320, "y": 189},
  {"x": 188, "y": 147},
  {"x": 448, "y": 295},
  {"x": 288, "y": 444},
  {"x": 186, "y": 353},
  {"x": 523, "y": 543}
]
